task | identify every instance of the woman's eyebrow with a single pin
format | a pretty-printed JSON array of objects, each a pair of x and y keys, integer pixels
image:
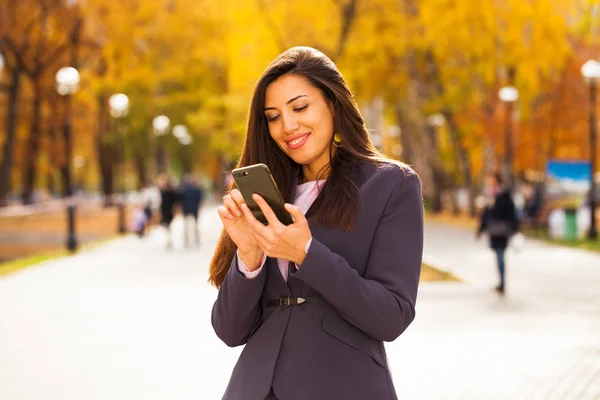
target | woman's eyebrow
[
  {"x": 296, "y": 98},
  {"x": 287, "y": 102}
]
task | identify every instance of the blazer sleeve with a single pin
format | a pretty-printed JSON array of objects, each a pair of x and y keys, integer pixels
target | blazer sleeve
[
  {"x": 237, "y": 310},
  {"x": 382, "y": 303}
]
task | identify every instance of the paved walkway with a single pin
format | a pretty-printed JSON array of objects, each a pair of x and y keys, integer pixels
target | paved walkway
[{"x": 131, "y": 320}]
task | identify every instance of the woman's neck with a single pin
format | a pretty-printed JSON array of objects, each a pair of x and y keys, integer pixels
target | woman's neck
[
  {"x": 310, "y": 176},
  {"x": 312, "y": 172}
]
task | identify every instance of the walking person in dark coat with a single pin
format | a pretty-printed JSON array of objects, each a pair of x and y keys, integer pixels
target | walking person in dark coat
[
  {"x": 192, "y": 197},
  {"x": 169, "y": 197},
  {"x": 500, "y": 221}
]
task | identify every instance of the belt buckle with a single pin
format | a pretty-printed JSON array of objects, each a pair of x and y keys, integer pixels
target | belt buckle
[{"x": 285, "y": 301}]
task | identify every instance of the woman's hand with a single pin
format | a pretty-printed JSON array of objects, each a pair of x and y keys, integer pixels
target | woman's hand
[
  {"x": 277, "y": 240},
  {"x": 239, "y": 229}
]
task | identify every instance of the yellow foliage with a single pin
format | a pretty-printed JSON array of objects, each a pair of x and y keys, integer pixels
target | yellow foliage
[{"x": 197, "y": 61}]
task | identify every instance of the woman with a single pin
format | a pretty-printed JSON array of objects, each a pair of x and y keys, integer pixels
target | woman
[
  {"x": 314, "y": 301},
  {"x": 499, "y": 219}
]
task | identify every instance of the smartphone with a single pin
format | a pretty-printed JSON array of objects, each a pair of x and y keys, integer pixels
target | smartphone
[{"x": 258, "y": 179}]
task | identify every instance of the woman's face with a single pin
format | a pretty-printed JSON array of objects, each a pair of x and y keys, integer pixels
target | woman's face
[{"x": 300, "y": 120}]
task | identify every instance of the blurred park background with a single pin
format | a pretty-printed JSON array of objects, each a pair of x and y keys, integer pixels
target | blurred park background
[{"x": 99, "y": 97}]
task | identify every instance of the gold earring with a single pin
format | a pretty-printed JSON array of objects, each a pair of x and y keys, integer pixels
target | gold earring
[{"x": 337, "y": 140}]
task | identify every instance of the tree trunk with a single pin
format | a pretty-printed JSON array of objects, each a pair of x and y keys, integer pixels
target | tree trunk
[
  {"x": 33, "y": 146},
  {"x": 106, "y": 152},
  {"x": 405, "y": 137},
  {"x": 463, "y": 159},
  {"x": 51, "y": 183},
  {"x": 437, "y": 176},
  {"x": 140, "y": 167},
  {"x": 8, "y": 150},
  {"x": 107, "y": 157}
]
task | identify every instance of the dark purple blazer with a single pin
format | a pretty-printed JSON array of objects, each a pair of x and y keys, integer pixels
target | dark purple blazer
[{"x": 367, "y": 279}]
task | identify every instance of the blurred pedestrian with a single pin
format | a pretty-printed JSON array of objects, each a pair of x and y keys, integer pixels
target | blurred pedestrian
[
  {"x": 533, "y": 204},
  {"x": 139, "y": 221},
  {"x": 168, "y": 199},
  {"x": 150, "y": 201},
  {"x": 499, "y": 220},
  {"x": 314, "y": 301},
  {"x": 192, "y": 196}
]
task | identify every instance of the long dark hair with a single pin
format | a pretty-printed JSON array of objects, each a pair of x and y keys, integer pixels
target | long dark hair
[{"x": 337, "y": 203}]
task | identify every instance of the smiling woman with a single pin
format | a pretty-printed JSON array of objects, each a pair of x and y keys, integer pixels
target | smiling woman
[{"x": 314, "y": 300}]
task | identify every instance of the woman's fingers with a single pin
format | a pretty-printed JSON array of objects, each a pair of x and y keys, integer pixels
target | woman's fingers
[
  {"x": 232, "y": 206},
  {"x": 224, "y": 213},
  {"x": 267, "y": 211},
  {"x": 236, "y": 195},
  {"x": 295, "y": 212},
  {"x": 257, "y": 226}
]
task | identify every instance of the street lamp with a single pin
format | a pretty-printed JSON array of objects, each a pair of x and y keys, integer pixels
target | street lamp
[
  {"x": 185, "y": 140},
  {"x": 436, "y": 121},
  {"x": 119, "y": 107},
  {"x": 67, "y": 83},
  {"x": 160, "y": 126},
  {"x": 509, "y": 95},
  {"x": 183, "y": 136},
  {"x": 591, "y": 73},
  {"x": 180, "y": 131}
]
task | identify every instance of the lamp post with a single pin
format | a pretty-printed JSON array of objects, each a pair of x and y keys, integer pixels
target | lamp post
[
  {"x": 435, "y": 122},
  {"x": 78, "y": 163},
  {"x": 119, "y": 107},
  {"x": 67, "y": 83},
  {"x": 160, "y": 126},
  {"x": 591, "y": 73},
  {"x": 183, "y": 136},
  {"x": 509, "y": 95}
]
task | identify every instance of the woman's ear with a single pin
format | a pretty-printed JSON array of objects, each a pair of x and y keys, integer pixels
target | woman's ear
[{"x": 331, "y": 108}]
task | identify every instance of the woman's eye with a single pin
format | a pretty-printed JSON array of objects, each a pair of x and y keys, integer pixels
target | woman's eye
[
  {"x": 272, "y": 118},
  {"x": 300, "y": 108}
]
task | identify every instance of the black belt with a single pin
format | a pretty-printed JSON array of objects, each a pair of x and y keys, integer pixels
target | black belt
[{"x": 291, "y": 301}]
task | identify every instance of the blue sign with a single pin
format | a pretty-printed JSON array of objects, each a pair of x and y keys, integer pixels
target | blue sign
[{"x": 569, "y": 170}]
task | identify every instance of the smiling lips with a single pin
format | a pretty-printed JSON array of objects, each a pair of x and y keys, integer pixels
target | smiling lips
[{"x": 298, "y": 142}]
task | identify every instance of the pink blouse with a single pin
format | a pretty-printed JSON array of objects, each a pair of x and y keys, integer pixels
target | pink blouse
[{"x": 306, "y": 194}]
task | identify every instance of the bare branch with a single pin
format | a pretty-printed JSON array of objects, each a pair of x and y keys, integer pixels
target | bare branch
[
  {"x": 14, "y": 50},
  {"x": 54, "y": 55}
]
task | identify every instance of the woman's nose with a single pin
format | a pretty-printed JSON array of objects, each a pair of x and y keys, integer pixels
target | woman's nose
[{"x": 290, "y": 123}]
